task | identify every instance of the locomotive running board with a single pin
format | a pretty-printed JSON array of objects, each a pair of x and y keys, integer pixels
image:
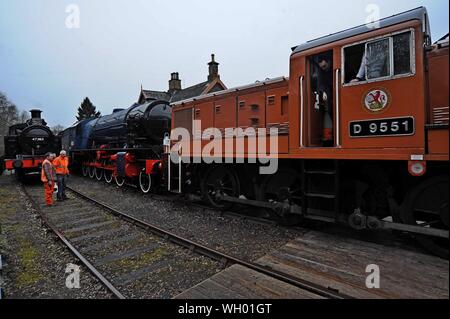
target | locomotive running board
[{"x": 371, "y": 222}]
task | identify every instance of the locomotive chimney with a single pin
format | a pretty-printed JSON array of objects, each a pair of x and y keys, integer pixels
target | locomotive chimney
[
  {"x": 213, "y": 69},
  {"x": 174, "y": 83},
  {"x": 35, "y": 114},
  {"x": 36, "y": 117}
]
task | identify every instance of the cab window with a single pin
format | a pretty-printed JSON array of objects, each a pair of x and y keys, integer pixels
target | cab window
[
  {"x": 382, "y": 58},
  {"x": 402, "y": 53},
  {"x": 377, "y": 59}
]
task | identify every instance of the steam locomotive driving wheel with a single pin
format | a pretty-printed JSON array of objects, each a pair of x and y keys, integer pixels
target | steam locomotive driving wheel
[
  {"x": 92, "y": 171},
  {"x": 427, "y": 206},
  {"x": 120, "y": 181},
  {"x": 108, "y": 175},
  {"x": 145, "y": 181},
  {"x": 85, "y": 170},
  {"x": 98, "y": 174},
  {"x": 282, "y": 187}
]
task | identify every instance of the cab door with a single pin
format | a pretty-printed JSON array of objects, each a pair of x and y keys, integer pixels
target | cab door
[{"x": 320, "y": 101}]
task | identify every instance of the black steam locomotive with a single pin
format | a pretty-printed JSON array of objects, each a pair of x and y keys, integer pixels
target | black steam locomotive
[
  {"x": 124, "y": 145},
  {"x": 27, "y": 143}
]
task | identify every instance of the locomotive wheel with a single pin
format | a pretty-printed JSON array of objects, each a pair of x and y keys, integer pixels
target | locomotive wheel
[
  {"x": 85, "y": 170},
  {"x": 98, "y": 174},
  {"x": 145, "y": 182},
  {"x": 223, "y": 180},
  {"x": 108, "y": 175},
  {"x": 92, "y": 171},
  {"x": 427, "y": 206},
  {"x": 283, "y": 186},
  {"x": 119, "y": 180}
]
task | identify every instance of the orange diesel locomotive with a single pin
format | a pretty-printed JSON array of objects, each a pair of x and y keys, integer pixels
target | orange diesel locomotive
[{"x": 362, "y": 138}]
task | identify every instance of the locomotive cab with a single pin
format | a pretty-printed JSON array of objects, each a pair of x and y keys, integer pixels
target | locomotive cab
[
  {"x": 375, "y": 99},
  {"x": 370, "y": 94}
]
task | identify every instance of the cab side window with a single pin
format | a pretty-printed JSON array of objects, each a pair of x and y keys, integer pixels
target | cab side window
[
  {"x": 383, "y": 58},
  {"x": 377, "y": 59},
  {"x": 402, "y": 53},
  {"x": 354, "y": 56}
]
